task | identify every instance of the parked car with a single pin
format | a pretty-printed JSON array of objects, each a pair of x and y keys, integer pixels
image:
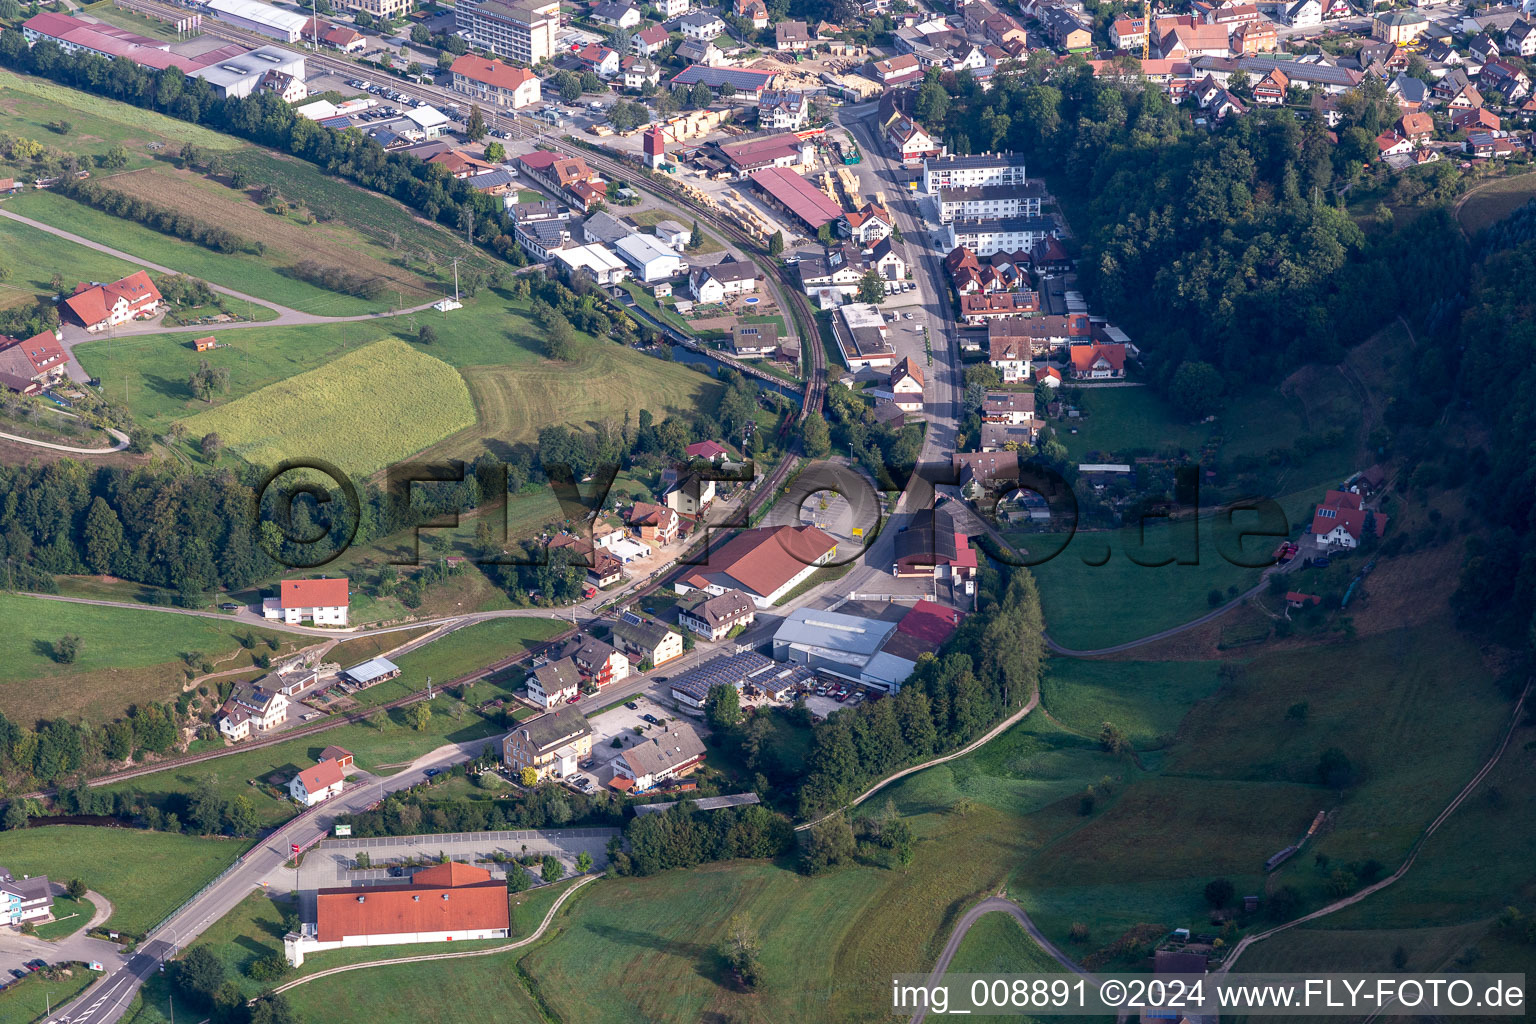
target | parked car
[
  {"x": 430, "y": 772},
  {"x": 632, "y": 706},
  {"x": 908, "y": 316},
  {"x": 17, "y": 972},
  {"x": 396, "y": 872},
  {"x": 36, "y": 965},
  {"x": 575, "y": 700},
  {"x": 650, "y": 718}
]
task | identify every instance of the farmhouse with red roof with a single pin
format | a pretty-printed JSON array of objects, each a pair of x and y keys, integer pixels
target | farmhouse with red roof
[
  {"x": 323, "y": 602},
  {"x": 99, "y": 306},
  {"x": 1340, "y": 521},
  {"x": 321, "y": 782}
]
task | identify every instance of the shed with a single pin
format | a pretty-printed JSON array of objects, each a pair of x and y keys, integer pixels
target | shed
[{"x": 204, "y": 344}]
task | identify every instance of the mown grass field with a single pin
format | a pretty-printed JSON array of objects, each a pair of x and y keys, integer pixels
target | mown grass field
[
  {"x": 1493, "y": 202},
  {"x": 341, "y": 413},
  {"x": 145, "y": 875},
  {"x": 127, "y": 657},
  {"x": 493, "y": 342},
  {"x": 70, "y": 915},
  {"x": 244, "y": 272},
  {"x": 1145, "y": 700},
  {"x": 462, "y": 652},
  {"x": 45, "y": 256}
]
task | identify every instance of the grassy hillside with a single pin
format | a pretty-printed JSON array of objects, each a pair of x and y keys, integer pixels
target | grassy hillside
[{"x": 127, "y": 657}]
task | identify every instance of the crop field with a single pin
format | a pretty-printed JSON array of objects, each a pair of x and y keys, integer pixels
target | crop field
[
  {"x": 1493, "y": 202},
  {"x": 47, "y": 255},
  {"x": 125, "y": 657},
  {"x": 144, "y": 874},
  {"x": 363, "y": 411},
  {"x": 287, "y": 238},
  {"x": 491, "y": 340}
]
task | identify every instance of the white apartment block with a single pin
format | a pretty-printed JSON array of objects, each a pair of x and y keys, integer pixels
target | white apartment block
[
  {"x": 988, "y": 201},
  {"x": 987, "y": 236},
  {"x": 522, "y": 30},
  {"x": 973, "y": 171}
]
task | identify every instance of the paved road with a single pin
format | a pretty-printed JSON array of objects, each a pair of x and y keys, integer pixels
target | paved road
[
  {"x": 993, "y": 905},
  {"x": 17, "y": 948},
  {"x": 286, "y": 316},
  {"x": 108, "y": 999},
  {"x": 120, "y": 441}
]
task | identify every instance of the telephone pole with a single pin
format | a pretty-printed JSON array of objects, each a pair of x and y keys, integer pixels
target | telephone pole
[{"x": 455, "y": 279}]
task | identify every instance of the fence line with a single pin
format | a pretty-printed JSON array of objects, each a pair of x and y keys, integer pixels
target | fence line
[{"x": 378, "y": 842}]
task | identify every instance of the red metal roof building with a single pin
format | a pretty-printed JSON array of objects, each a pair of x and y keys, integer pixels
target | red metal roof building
[
  {"x": 802, "y": 199},
  {"x": 764, "y": 562},
  {"x": 441, "y": 903}
]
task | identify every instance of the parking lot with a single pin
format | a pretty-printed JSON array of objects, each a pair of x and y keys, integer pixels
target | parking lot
[
  {"x": 621, "y": 723},
  {"x": 823, "y": 705}
]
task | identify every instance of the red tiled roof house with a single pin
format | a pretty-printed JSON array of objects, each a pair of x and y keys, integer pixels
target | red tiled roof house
[
  {"x": 97, "y": 307},
  {"x": 323, "y": 602}
]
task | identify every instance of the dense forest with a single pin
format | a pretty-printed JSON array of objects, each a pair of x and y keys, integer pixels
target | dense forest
[{"x": 1232, "y": 246}]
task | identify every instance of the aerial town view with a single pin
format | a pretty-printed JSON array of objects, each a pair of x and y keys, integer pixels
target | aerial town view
[{"x": 766, "y": 511}]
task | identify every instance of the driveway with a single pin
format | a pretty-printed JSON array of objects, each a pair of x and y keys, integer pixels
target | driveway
[{"x": 16, "y": 948}]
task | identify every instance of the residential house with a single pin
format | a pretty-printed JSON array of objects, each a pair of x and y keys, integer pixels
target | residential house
[
  {"x": 1128, "y": 33},
  {"x": 33, "y": 365},
  {"x": 701, "y": 25},
  {"x": 1520, "y": 39},
  {"x": 615, "y": 15},
  {"x": 1304, "y": 14},
  {"x": 1476, "y": 119},
  {"x": 638, "y": 73},
  {"x": 715, "y": 283},
  {"x": 253, "y": 706},
  {"x": 976, "y": 309},
  {"x": 600, "y": 662},
  {"x": 1255, "y": 37},
  {"x": 1064, "y": 29},
  {"x": 710, "y": 451},
  {"x": 323, "y": 602},
  {"x": 647, "y": 640},
  {"x": 1482, "y": 47},
  {"x": 1490, "y": 145},
  {"x": 885, "y": 259},
  {"x": 1270, "y": 91},
  {"x": 493, "y": 83},
  {"x": 1416, "y": 127},
  {"x": 1009, "y": 408},
  {"x": 754, "y": 341},
  {"x": 700, "y": 51},
  {"x": 1098, "y": 362},
  {"x": 755, "y": 11},
  {"x": 1010, "y": 357},
  {"x": 1191, "y": 41},
  {"x": 690, "y": 494},
  {"x": 28, "y": 899},
  {"x": 655, "y": 524},
  {"x": 906, "y": 382},
  {"x": 780, "y": 109},
  {"x": 911, "y": 141},
  {"x": 551, "y": 744},
  {"x": 100, "y": 306},
  {"x": 648, "y": 41},
  {"x": 1342, "y": 520},
  {"x": 792, "y": 36},
  {"x": 869, "y": 224},
  {"x": 554, "y": 683},
  {"x": 676, "y": 752},
  {"x": 1411, "y": 93},
  {"x": 344, "y": 39},
  {"x": 318, "y": 783},
  {"x": 1510, "y": 81},
  {"x": 600, "y": 60},
  {"x": 714, "y": 616},
  {"x": 894, "y": 71}
]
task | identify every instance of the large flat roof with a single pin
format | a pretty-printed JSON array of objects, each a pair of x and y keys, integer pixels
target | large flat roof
[
  {"x": 834, "y": 631},
  {"x": 803, "y": 199}
]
